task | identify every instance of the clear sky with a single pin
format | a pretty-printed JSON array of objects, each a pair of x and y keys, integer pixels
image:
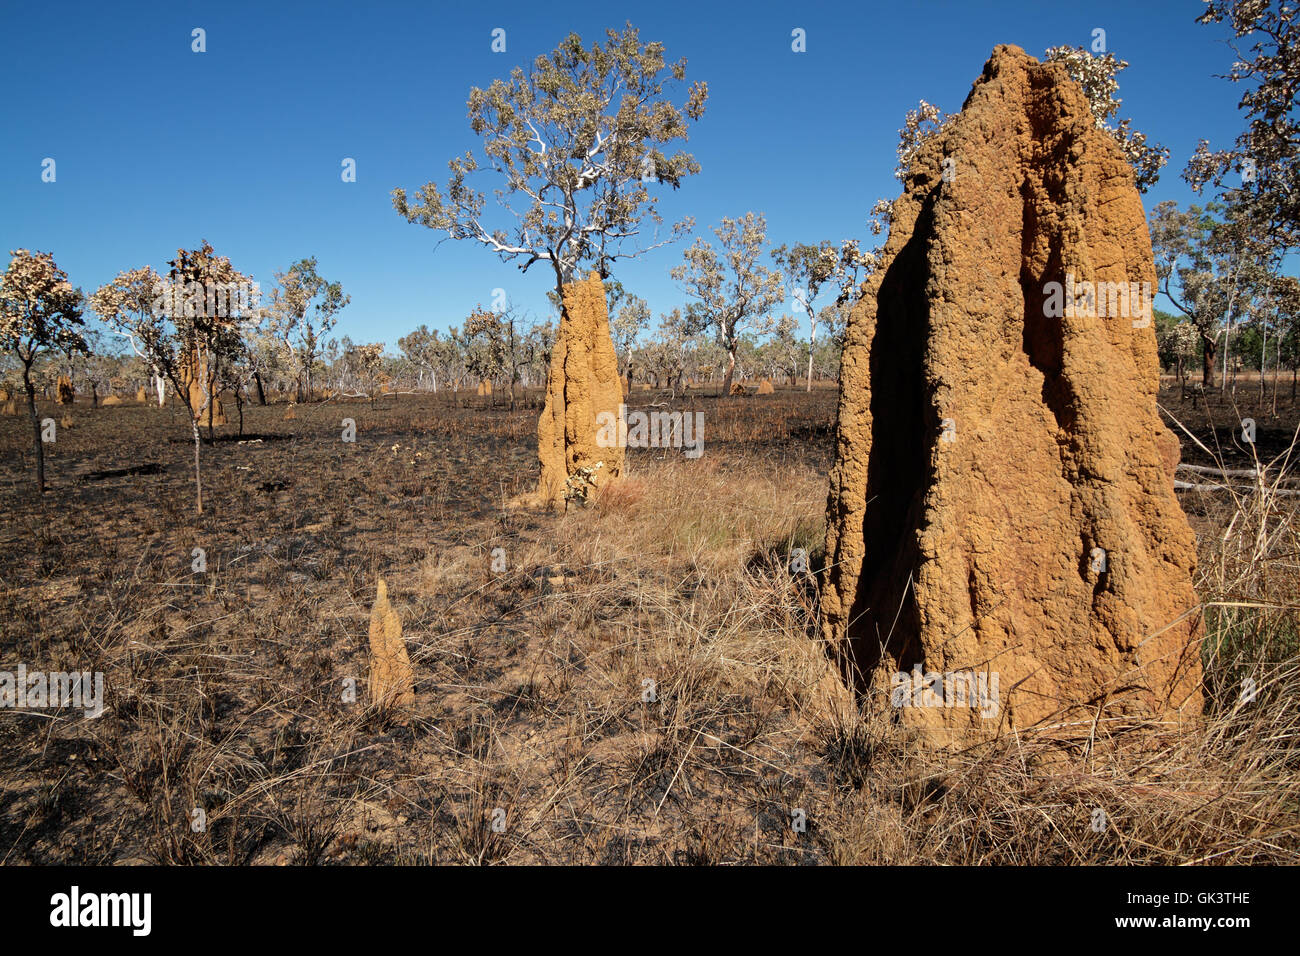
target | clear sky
[{"x": 158, "y": 147}]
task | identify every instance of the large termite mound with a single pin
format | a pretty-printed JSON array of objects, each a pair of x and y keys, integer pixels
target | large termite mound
[
  {"x": 1004, "y": 546},
  {"x": 583, "y": 383}
]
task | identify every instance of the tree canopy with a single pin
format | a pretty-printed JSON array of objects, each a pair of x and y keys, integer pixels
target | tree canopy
[{"x": 574, "y": 144}]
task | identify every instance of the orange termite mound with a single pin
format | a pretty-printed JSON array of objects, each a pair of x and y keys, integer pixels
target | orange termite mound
[
  {"x": 1004, "y": 545},
  {"x": 193, "y": 375},
  {"x": 583, "y": 384},
  {"x": 392, "y": 681}
]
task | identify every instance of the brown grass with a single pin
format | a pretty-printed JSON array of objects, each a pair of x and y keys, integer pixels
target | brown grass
[{"x": 643, "y": 684}]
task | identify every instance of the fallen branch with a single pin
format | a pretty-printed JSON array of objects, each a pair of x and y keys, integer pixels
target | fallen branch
[
  {"x": 1190, "y": 486},
  {"x": 1225, "y": 472}
]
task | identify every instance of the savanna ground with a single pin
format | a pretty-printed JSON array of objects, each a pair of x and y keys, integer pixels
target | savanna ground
[{"x": 225, "y": 689}]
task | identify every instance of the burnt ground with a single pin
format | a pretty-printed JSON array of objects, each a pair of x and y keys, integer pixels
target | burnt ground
[{"x": 225, "y": 688}]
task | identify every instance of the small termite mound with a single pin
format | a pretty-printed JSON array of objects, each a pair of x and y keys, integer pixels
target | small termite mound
[{"x": 392, "y": 681}]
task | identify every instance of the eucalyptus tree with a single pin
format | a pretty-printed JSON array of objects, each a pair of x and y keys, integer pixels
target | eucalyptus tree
[
  {"x": 429, "y": 353},
  {"x": 626, "y": 326},
  {"x": 187, "y": 327},
  {"x": 484, "y": 339},
  {"x": 572, "y": 145},
  {"x": 40, "y": 312},
  {"x": 1210, "y": 261},
  {"x": 303, "y": 310},
  {"x": 1266, "y": 154},
  {"x": 811, "y": 268},
  {"x": 732, "y": 291}
]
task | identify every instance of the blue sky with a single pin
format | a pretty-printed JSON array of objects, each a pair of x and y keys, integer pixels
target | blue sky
[{"x": 159, "y": 147}]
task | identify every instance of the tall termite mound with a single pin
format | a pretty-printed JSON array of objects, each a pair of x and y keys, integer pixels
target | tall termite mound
[
  {"x": 64, "y": 395},
  {"x": 1002, "y": 523},
  {"x": 583, "y": 384}
]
